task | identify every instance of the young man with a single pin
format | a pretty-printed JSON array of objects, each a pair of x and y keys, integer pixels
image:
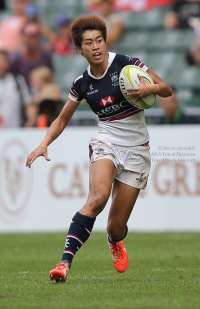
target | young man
[
  {"x": 119, "y": 155},
  {"x": 31, "y": 54}
]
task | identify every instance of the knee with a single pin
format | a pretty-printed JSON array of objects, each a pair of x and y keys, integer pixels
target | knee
[
  {"x": 116, "y": 230},
  {"x": 97, "y": 202}
]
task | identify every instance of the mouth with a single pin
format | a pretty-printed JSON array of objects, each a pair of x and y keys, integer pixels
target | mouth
[{"x": 97, "y": 56}]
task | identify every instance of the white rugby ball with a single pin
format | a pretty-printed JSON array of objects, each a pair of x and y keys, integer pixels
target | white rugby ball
[{"x": 128, "y": 78}]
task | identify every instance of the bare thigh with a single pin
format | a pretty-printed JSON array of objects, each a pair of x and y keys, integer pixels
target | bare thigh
[
  {"x": 102, "y": 175},
  {"x": 123, "y": 201}
]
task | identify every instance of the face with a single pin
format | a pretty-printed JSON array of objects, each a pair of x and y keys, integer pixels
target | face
[
  {"x": 18, "y": 6},
  {"x": 93, "y": 47},
  {"x": 169, "y": 105},
  {"x": 37, "y": 83},
  {"x": 31, "y": 36},
  {"x": 4, "y": 65},
  {"x": 106, "y": 8}
]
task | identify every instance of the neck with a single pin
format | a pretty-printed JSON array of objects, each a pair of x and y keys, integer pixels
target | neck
[{"x": 98, "y": 70}]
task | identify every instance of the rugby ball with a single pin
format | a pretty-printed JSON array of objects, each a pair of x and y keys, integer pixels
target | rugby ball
[{"x": 128, "y": 78}]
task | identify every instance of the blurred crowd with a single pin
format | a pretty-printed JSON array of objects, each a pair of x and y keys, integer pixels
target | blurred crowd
[{"x": 29, "y": 96}]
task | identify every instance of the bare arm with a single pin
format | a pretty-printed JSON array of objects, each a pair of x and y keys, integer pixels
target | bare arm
[
  {"x": 31, "y": 114},
  {"x": 49, "y": 34},
  {"x": 56, "y": 128},
  {"x": 60, "y": 123},
  {"x": 159, "y": 88},
  {"x": 114, "y": 33}
]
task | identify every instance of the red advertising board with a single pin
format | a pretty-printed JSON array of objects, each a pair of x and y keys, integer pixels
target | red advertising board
[{"x": 136, "y": 5}]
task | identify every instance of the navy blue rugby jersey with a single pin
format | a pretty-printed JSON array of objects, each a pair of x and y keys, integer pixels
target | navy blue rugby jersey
[
  {"x": 105, "y": 98},
  {"x": 103, "y": 94}
]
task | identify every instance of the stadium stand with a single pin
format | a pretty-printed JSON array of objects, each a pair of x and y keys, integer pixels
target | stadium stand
[{"x": 144, "y": 36}]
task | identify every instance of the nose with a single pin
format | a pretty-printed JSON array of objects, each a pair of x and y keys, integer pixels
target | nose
[{"x": 95, "y": 46}]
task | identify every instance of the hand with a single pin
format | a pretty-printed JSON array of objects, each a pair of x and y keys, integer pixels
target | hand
[
  {"x": 139, "y": 92},
  {"x": 39, "y": 151}
]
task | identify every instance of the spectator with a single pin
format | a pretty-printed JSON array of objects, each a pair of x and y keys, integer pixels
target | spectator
[
  {"x": 50, "y": 105},
  {"x": 113, "y": 22},
  {"x": 32, "y": 15},
  {"x": 38, "y": 78},
  {"x": 172, "y": 112},
  {"x": 193, "y": 56},
  {"x": 2, "y": 5},
  {"x": 63, "y": 44},
  {"x": 182, "y": 12},
  {"x": 15, "y": 100},
  {"x": 31, "y": 54},
  {"x": 11, "y": 27}
]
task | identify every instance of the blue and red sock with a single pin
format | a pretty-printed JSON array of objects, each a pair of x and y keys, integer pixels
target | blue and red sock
[{"x": 79, "y": 232}]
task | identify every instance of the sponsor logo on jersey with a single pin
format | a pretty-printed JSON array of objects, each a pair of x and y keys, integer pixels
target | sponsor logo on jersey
[
  {"x": 92, "y": 90},
  {"x": 115, "y": 112},
  {"x": 113, "y": 108},
  {"x": 107, "y": 101}
]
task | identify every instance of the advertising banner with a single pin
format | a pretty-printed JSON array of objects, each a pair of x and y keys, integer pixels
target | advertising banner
[
  {"x": 46, "y": 196},
  {"x": 135, "y": 5}
]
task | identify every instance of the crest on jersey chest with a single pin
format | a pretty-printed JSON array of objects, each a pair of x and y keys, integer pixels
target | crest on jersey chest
[{"x": 114, "y": 78}]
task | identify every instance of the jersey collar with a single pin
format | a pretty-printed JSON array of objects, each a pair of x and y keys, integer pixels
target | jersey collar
[{"x": 111, "y": 57}]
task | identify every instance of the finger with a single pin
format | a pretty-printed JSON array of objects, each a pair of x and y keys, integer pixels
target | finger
[
  {"x": 46, "y": 155},
  {"x": 47, "y": 158},
  {"x": 28, "y": 159},
  {"x": 131, "y": 89},
  {"x": 32, "y": 160},
  {"x": 133, "y": 93},
  {"x": 141, "y": 79}
]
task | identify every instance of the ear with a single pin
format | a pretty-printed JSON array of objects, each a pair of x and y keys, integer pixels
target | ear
[{"x": 80, "y": 51}]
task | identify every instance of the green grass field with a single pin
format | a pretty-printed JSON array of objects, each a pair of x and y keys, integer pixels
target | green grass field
[{"x": 164, "y": 272}]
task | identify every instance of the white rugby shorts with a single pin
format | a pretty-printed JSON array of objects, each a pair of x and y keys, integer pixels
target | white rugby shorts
[{"x": 132, "y": 163}]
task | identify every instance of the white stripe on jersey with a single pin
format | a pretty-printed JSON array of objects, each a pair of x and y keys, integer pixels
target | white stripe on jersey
[
  {"x": 78, "y": 78},
  {"x": 73, "y": 98}
]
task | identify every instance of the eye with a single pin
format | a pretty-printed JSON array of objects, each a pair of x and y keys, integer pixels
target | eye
[{"x": 99, "y": 41}]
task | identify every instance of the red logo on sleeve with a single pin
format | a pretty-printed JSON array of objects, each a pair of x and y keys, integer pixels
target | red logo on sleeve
[{"x": 107, "y": 101}]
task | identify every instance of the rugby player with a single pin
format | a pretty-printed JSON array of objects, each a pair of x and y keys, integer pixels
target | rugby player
[{"x": 119, "y": 155}]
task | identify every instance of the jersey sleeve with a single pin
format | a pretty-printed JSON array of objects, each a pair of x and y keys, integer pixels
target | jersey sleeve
[
  {"x": 128, "y": 60},
  {"x": 75, "y": 91}
]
